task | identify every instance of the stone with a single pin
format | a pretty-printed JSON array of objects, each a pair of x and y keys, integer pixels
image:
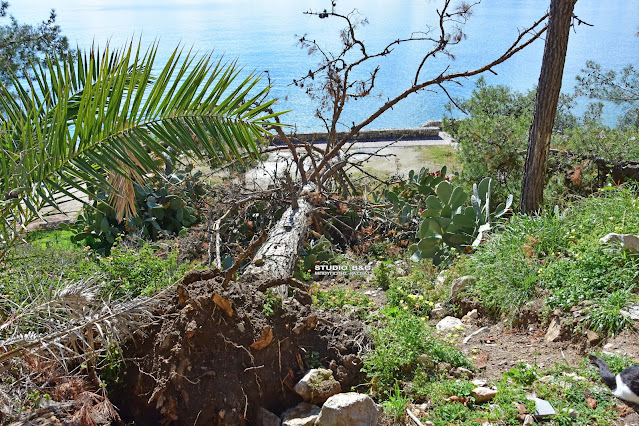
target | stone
[
  {"x": 460, "y": 284},
  {"x": 572, "y": 413},
  {"x": 303, "y": 414},
  {"x": 426, "y": 361},
  {"x": 267, "y": 418},
  {"x": 449, "y": 324},
  {"x": 479, "y": 382},
  {"x": 475, "y": 333},
  {"x": 633, "y": 310},
  {"x": 438, "y": 311},
  {"x": 554, "y": 331},
  {"x": 473, "y": 314},
  {"x": 593, "y": 338},
  {"x": 483, "y": 394},
  {"x": 317, "y": 386},
  {"x": 353, "y": 409},
  {"x": 543, "y": 409},
  {"x": 529, "y": 420},
  {"x": 628, "y": 241},
  {"x": 631, "y": 419},
  {"x": 461, "y": 371}
]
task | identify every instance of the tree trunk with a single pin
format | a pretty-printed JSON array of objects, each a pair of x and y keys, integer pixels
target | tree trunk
[
  {"x": 552, "y": 70},
  {"x": 275, "y": 260}
]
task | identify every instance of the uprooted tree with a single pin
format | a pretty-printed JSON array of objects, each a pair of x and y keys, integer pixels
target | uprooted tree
[
  {"x": 320, "y": 170},
  {"x": 201, "y": 314}
]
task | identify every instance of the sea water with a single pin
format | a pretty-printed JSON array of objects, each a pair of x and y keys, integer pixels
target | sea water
[{"x": 262, "y": 35}]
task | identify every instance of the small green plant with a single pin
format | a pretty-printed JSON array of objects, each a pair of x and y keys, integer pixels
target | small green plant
[
  {"x": 312, "y": 359},
  {"x": 337, "y": 299},
  {"x": 145, "y": 270},
  {"x": 402, "y": 343},
  {"x": 381, "y": 276},
  {"x": 395, "y": 406},
  {"x": 523, "y": 374},
  {"x": 272, "y": 302},
  {"x": 36, "y": 398}
]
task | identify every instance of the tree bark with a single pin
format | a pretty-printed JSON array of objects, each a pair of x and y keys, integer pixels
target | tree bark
[
  {"x": 275, "y": 260},
  {"x": 552, "y": 70}
]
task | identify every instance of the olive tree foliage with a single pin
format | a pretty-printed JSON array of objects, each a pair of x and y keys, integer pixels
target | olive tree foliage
[{"x": 21, "y": 44}]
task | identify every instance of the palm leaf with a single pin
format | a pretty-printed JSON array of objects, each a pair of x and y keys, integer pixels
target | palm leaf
[{"x": 78, "y": 119}]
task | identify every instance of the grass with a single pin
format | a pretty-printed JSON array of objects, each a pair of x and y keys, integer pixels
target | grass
[
  {"x": 565, "y": 387},
  {"x": 440, "y": 155},
  {"x": 49, "y": 262},
  {"x": 558, "y": 256}
]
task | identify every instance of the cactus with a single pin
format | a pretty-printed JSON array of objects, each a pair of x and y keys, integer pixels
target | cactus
[{"x": 446, "y": 218}]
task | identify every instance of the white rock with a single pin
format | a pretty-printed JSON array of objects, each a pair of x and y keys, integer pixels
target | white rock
[
  {"x": 528, "y": 420},
  {"x": 441, "y": 278},
  {"x": 460, "y": 284},
  {"x": 317, "y": 386},
  {"x": 554, "y": 330},
  {"x": 448, "y": 324},
  {"x": 633, "y": 310},
  {"x": 303, "y": 414},
  {"x": 571, "y": 412},
  {"x": 479, "y": 382},
  {"x": 628, "y": 241},
  {"x": 438, "y": 311},
  {"x": 483, "y": 394},
  {"x": 352, "y": 409},
  {"x": 543, "y": 409}
]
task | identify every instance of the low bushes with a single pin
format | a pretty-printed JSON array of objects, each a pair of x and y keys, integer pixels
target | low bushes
[{"x": 558, "y": 256}]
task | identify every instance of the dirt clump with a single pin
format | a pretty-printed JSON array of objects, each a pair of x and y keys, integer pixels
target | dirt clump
[{"x": 215, "y": 358}]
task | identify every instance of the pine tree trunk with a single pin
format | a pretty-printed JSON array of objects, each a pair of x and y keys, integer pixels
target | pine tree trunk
[{"x": 552, "y": 70}]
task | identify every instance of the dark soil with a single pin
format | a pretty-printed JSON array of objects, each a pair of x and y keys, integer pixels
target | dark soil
[{"x": 214, "y": 358}]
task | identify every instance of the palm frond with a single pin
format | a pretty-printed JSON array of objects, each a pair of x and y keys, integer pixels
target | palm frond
[{"x": 106, "y": 111}]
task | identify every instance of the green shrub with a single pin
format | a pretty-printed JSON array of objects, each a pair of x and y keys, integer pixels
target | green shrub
[
  {"x": 398, "y": 344},
  {"x": 559, "y": 256},
  {"x": 132, "y": 272},
  {"x": 337, "y": 299}
]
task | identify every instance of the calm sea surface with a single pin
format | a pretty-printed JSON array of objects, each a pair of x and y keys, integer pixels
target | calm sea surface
[{"x": 262, "y": 35}]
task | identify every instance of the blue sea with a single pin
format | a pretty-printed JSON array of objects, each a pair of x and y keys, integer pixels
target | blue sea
[{"x": 262, "y": 35}]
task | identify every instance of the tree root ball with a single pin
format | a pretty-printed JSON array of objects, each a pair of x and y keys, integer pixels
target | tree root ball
[{"x": 214, "y": 358}]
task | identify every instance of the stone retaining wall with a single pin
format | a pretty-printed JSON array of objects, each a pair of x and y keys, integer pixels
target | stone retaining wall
[{"x": 374, "y": 134}]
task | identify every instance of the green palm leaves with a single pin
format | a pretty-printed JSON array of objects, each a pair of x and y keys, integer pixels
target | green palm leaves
[{"x": 78, "y": 118}]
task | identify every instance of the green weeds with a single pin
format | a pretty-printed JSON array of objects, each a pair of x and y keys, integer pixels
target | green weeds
[{"x": 559, "y": 255}]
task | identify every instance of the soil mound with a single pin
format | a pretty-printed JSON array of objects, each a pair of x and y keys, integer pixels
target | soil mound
[{"x": 215, "y": 358}]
